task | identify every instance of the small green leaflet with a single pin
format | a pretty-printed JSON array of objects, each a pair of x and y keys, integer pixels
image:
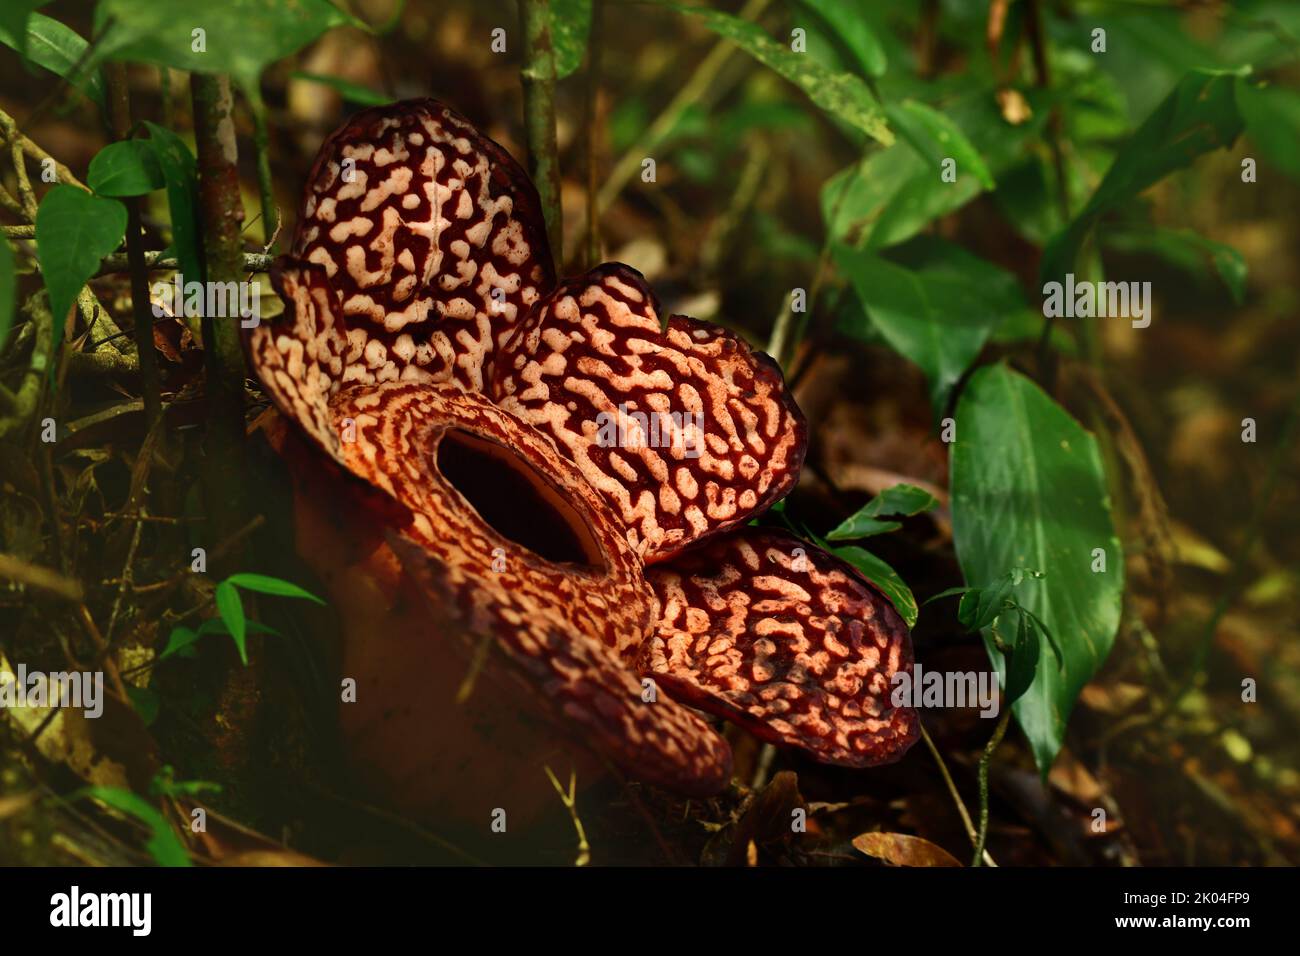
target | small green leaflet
[
  {"x": 264, "y": 584},
  {"x": 231, "y": 609},
  {"x": 901, "y": 499},
  {"x": 841, "y": 94},
  {"x": 128, "y": 168},
  {"x": 884, "y": 577},
  {"x": 163, "y": 843},
  {"x": 180, "y": 174},
  {"x": 74, "y": 231}
]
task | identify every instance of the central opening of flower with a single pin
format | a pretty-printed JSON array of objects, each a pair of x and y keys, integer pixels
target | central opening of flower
[{"x": 515, "y": 500}]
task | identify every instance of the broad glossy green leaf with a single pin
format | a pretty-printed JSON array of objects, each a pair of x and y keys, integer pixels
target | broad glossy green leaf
[
  {"x": 884, "y": 577},
  {"x": 55, "y": 47},
  {"x": 937, "y": 309},
  {"x": 1028, "y": 491},
  {"x": 570, "y": 24},
  {"x": 264, "y": 584},
  {"x": 239, "y": 37},
  {"x": 1200, "y": 115},
  {"x": 180, "y": 173},
  {"x": 842, "y": 94},
  {"x": 8, "y": 289},
  {"x": 74, "y": 231},
  {"x": 936, "y": 139},
  {"x": 231, "y": 609},
  {"x": 848, "y": 20},
  {"x": 128, "y": 168},
  {"x": 163, "y": 843},
  {"x": 900, "y": 499}
]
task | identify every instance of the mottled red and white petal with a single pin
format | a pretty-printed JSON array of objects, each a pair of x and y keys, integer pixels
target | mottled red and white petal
[
  {"x": 432, "y": 235},
  {"x": 786, "y": 640},
  {"x": 299, "y": 356},
  {"x": 688, "y": 431},
  {"x": 568, "y": 621}
]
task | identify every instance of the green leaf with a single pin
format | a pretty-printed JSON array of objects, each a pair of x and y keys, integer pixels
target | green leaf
[
  {"x": 145, "y": 702},
  {"x": 263, "y": 584},
  {"x": 1186, "y": 249},
  {"x": 901, "y": 499},
  {"x": 937, "y": 310},
  {"x": 178, "y": 641},
  {"x": 884, "y": 577},
  {"x": 893, "y": 194},
  {"x": 1200, "y": 115},
  {"x": 163, "y": 843},
  {"x": 240, "y": 37},
  {"x": 1272, "y": 117},
  {"x": 74, "y": 231},
  {"x": 1028, "y": 490},
  {"x": 57, "y": 48},
  {"x": 1022, "y": 661},
  {"x": 180, "y": 174},
  {"x": 937, "y": 138},
  {"x": 128, "y": 168},
  {"x": 848, "y": 21},
  {"x": 231, "y": 609},
  {"x": 570, "y": 24},
  {"x": 8, "y": 289},
  {"x": 13, "y": 22},
  {"x": 841, "y": 94},
  {"x": 352, "y": 92}
]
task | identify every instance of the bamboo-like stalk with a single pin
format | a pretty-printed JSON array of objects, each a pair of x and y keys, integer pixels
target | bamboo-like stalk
[
  {"x": 538, "y": 77},
  {"x": 223, "y": 214}
]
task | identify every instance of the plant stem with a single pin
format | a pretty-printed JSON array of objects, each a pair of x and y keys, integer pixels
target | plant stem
[
  {"x": 998, "y": 733},
  {"x": 119, "y": 102},
  {"x": 538, "y": 77},
  {"x": 223, "y": 213},
  {"x": 952, "y": 791},
  {"x": 591, "y": 111},
  {"x": 265, "y": 185},
  {"x": 252, "y": 262}
]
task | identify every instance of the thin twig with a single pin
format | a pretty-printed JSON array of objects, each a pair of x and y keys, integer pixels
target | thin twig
[
  {"x": 952, "y": 791},
  {"x": 570, "y": 801},
  {"x": 701, "y": 89}
]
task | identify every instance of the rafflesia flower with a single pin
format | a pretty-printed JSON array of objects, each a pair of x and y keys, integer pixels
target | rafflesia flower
[{"x": 546, "y": 476}]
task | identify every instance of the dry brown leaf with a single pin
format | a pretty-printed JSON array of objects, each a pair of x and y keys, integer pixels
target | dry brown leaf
[{"x": 902, "y": 849}]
